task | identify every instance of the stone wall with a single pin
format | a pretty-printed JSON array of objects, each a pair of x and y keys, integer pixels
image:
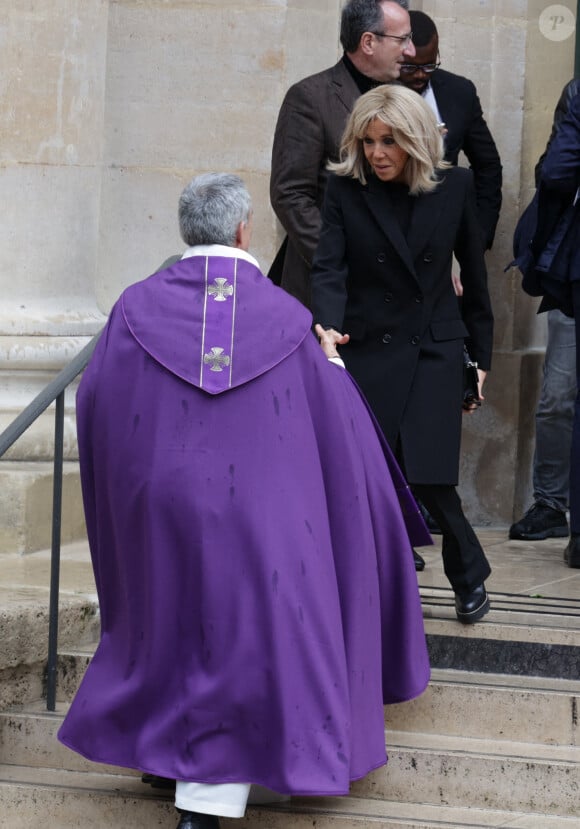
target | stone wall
[{"x": 109, "y": 108}]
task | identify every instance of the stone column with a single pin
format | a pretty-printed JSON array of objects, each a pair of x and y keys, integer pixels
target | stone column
[{"x": 53, "y": 60}]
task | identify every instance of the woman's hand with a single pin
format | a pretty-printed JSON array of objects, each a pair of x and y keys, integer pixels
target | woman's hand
[
  {"x": 481, "y": 375},
  {"x": 329, "y": 340}
]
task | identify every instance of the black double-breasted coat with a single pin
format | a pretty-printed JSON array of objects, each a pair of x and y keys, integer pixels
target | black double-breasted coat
[{"x": 394, "y": 297}]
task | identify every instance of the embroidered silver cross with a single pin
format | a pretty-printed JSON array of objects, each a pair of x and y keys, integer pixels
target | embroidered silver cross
[
  {"x": 216, "y": 359},
  {"x": 221, "y": 289}
]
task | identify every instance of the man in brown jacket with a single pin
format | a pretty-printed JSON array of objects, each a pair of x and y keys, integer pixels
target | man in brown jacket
[{"x": 376, "y": 37}]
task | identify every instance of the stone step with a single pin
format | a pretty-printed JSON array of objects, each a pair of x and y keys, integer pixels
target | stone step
[
  {"x": 493, "y": 706},
  {"x": 24, "y": 637},
  {"x": 24, "y": 603},
  {"x": 537, "y": 634},
  {"x": 486, "y": 774},
  {"x": 28, "y": 738},
  {"x": 522, "y": 647},
  {"x": 26, "y": 503},
  {"x": 423, "y": 767},
  {"x": 66, "y": 800},
  {"x": 455, "y": 704}
]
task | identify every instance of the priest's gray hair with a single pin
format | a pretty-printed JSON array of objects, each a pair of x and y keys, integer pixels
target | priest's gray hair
[{"x": 211, "y": 207}]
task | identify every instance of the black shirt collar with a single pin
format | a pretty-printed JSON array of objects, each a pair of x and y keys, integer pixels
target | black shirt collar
[{"x": 363, "y": 82}]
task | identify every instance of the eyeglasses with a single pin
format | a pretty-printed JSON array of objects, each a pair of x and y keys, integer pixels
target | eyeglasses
[
  {"x": 413, "y": 68},
  {"x": 404, "y": 40}
]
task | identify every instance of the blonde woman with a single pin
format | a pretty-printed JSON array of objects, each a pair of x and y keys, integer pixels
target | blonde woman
[{"x": 394, "y": 215}]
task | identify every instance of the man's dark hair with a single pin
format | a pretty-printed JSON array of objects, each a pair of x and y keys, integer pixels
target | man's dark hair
[
  {"x": 423, "y": 28},
  {"x": 360, "y": 16}
]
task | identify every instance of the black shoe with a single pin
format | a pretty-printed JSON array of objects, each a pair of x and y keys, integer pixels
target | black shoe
[
  {"x": 540, "y": 522},
  {"x": 158, "y": 782},
  {"x": 419, "y": 561},
  {"x": 195, "y": 820},
  {"x": 572, "y": 551},
  {"x": 472, "y": 605}
]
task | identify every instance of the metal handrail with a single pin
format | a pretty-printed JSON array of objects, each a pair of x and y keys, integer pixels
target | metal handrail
[{"x": 54, "y": 391}]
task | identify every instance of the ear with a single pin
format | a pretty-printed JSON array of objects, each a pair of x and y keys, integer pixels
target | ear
[
  {"x": 367, "y": 43},
  {"x": 244, "y": 234},
  {"x": 240, "y": 236}
]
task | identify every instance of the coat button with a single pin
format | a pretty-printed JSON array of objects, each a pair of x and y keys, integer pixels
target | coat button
[
  {"x": 388, "y": 297},
  {"x": 415, "y": 340},
  {"x": 419, "y": 299},
  {"x": 387, "y": 338},
  {"x": 428, "y": 257},
  {"x": 381, "y": 258}
]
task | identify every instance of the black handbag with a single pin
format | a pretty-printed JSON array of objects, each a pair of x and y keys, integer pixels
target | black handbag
[{"x": 470, "y": 381}]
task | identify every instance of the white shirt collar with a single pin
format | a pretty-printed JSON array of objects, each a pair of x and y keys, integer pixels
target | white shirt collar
[
  {"x": 429, "y": 98},
  {"x": 220, "y": 250}
]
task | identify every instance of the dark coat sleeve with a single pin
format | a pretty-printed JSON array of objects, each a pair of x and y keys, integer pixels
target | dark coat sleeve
[
  {"x": 298, "y": 157},
  {"x": 475, "y": 303},
  {"x": 468, "y": 132},
  {"x": 561, "y": 167},
  {"x": 330, "y": 270},
  {"x": 571, "y": 89}
]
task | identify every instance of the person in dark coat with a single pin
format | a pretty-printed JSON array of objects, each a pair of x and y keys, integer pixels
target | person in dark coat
[
  {"x": 376, "y": 37},
  {"x": 456, "y": 105},
  {"x": 546, "y": 517},
  {"x": 258, "y": 599},
  {"x": 394, "y": 215},
  {"x": 560, "y": 184}
]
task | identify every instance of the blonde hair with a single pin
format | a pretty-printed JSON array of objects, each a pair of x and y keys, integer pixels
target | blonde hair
[{"x": 415, "y": 130}]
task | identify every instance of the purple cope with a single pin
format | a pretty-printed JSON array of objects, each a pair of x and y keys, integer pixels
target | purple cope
[{"x": 256, "y": 583}]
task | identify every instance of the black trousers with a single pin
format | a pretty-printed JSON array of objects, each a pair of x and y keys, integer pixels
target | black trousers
[
  {"x": 464, "y": 561},
  {"x": 575, "y": 452}
]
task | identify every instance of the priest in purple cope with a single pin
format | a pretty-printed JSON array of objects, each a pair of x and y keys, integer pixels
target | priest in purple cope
[{"x": 250, "y": 535}]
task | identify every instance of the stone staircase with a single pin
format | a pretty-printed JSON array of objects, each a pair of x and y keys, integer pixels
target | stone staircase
[{"x": 482, "y": 747}]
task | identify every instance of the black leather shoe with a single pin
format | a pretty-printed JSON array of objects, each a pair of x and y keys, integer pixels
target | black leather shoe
[
  {"x": 157, "y": 782},
  {"x": 195, "y": 820},
  {"x": 539, "y": 522},
  {"x": 472, "y": 605},
  {"x": 419, "y": 561},
  {"x": 572, "y": 551}
]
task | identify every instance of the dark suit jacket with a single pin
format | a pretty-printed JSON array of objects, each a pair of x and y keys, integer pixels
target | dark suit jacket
[
  {"x": 571, "y": 89},
  {"x": 310, "y": 124},
  {"x": 559, "y": 186},
  {"x": 395, "y": 298},
  {"x": 467, "y": 131}
]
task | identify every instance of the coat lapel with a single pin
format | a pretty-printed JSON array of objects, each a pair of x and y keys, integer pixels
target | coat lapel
[
  {"x": 427, "y": 213},
  {"x": 343, "y": 86},
  {"x": 385, "y": 215}
]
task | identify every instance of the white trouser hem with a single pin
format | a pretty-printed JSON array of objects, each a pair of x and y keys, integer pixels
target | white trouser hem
[{"x": 220, "y": 799}]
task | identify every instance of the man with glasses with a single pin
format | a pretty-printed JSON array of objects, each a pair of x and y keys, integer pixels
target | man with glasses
[
  {"x": 376, "y": 37},
  {"x": 456, "y": 105}
]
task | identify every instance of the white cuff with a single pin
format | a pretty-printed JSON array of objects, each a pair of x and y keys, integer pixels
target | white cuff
[{"x": 338, "y": 361}]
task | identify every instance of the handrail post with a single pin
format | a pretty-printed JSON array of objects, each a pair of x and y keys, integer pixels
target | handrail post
[
  {"x": 52, "y": 667},
  {"x": 54, "y": 391}
]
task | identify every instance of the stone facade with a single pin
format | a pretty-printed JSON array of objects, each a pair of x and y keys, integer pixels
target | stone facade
[{"x": 109, "y": 108}]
